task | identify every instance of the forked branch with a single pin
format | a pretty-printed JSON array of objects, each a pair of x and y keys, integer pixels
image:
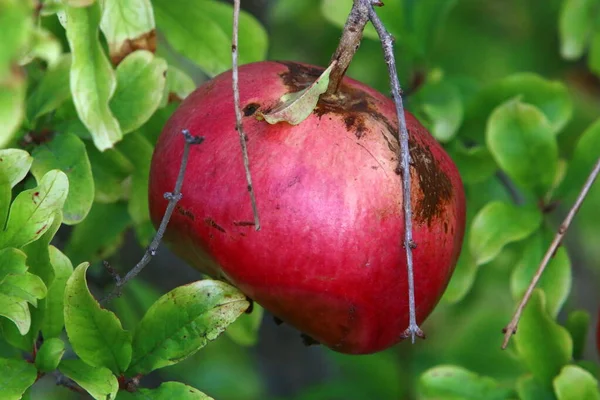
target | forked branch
[{"x": 511, "y": 328}]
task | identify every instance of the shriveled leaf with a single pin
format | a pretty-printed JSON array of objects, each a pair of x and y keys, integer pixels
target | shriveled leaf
[
  {"x": 296, "y": 107},
  {"x": 12, "y": 261},
  {"x": 12, "y": 104},
  {"x": 203, "y": 33},
  {"x": 578, "y": 323},
  {"x": 498, "y": 224},
  {"x": 183, "y": 321},
  {"x": 576, "y": 25},
  {"x": 95, "y": 333},
  {"x": 454, "y": 382},
  {"x": 92, "y": 77},
  {"x": 520, "y": 139},
  {"x": 66, "y": 152},
  {"x": 543, "y": 345},
  {"x": 167, "y": 391},
  {"x": 140, "y": 83},
  {"x": 49, "y": 355},
  {"x": 33, "y": 211},
  {"x": 17, "y": 311},
  {"x": 244, "y": 330},
  {"x": 179, "y": 85},
  {"x": 27, "y": 286},
  {"x": 16, "y": 376},
  {"x": 14, "y": 165},
  {"x": 442, "y": 109},
  {"x": 556, "y": 280},
  {"x": 54, "y": 319},
  {"x": 575, "y": 383},
  {"x": 99, "y": 382},
  {"x": 52, "y": 91},
  {"x": 128, "y": 25},
  {"x": 100, "y": 234}
]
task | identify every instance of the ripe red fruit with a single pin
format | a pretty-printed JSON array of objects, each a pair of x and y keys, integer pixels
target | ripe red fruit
[{"x": 328, "y": 259}]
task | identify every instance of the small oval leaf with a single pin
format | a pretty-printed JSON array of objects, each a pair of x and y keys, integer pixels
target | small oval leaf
[
  {"x": 49, "y": 355},
  {"x": 99, "y": 382},
  {"x": 14, "y": 165}
]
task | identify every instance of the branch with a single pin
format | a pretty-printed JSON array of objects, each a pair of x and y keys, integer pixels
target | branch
[
  {"x": 511, "y": 328},
  {"x": 238, "y": 111},
  {"x": 173, "y": 198},
  {"x": 387, "y": 42}
]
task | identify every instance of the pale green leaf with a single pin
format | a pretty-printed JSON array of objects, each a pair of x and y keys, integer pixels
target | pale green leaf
[
  {"x": 141, "y": 81},
  {"x": 38, "y": 257},
  {"x": 179, "y": 85},
  {"x": 203, "y": 33},
  {"x": 451, "y": 382},
  {"x": 33, "y": 211},
  {"x": 14, "y": 165},
  {"x": 95, "y": 333},
  {"x": 167, "y": 391},
  {"x": 183, "y": 321},
  {"x": 128, "y": 25},
  {"x": 15, "y": 377},
  {"x": 441, "y": 107},
  {"x": 17, "y": 25},
  {"x": 12, "y": 261},
  {"x": 17, "y": 311},
  {"x": 12, "y": 105},
  {"x": 575, "y": 383},
  {"x": 576, "y": 24},
  {"x": 43, "y": 46},
  {"x": 578, "y": 324},
  {"x": 99, "y": 382},
  {"x": 54, "y": 320},
  {"x": 27, "y": 286},
  {"x": 52, "y": 91},
  {"x": 49, "y": 355},
  {"x": 67, "y": 153},
  {"x": 92, "y": 77}
]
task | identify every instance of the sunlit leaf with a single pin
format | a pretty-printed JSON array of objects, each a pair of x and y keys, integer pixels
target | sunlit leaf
[
  {"x": 454, "y": 382},
  {"x": 167, "y": 391},
  {"x": 99, "y": 382},
  {"x": 27, "y": 286},
  {"x": 575, "y": 383},
  {"x": 179, "y": 85},
  {"x": 441, "y": 105},
  {"x": 12, "y": 105},
  {"x": 54, "y": 319},
  {"x": 17, "y": 311},
  {"x": 14, "y": 165},
  {"x": 15, "y": 377},
  {"x": 49, "y": 355},
  {"x": 576, "y": 25},
  {"x": 43, "y": 46}
]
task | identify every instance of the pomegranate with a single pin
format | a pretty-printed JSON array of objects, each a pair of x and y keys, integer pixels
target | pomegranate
[{"x": 329, "y": 258}]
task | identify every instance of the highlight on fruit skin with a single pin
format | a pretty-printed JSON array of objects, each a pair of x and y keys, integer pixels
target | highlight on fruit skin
[{"x": 328, "y": 259}]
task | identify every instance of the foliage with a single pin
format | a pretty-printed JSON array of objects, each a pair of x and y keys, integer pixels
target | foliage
[{"x": 508, "y": 88}]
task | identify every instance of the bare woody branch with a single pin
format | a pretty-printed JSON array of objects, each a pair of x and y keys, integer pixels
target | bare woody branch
[
  {"x": 238, "y": 111},
  {"x": 173, "y": 198},
  {"x": 511, "y": 328}
]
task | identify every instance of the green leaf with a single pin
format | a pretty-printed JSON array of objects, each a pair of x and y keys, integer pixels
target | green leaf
[
  {"x": 521, "y": 141},
  {"x": 100, "y": 234},
  {"x": 575, "y": 383},
  {"x": 38, "y": 256},
  {"x": 585, "y": 156},
  {"x": 52, "y": 91},
  {"x": 43, "y": 45},
  {"x": 475, "y": 164},
  {"x": 141, "y": 79},
  {"x": 28, "y": 287},
  {"x": 550, "y": 97},
  {"x": 99, "y": 382},
  {"x": 95, "y": 334},
  {"x": 66, "y": 152},
  {"x": 167, "y": 391},
  {"x": 49, "y": 355},
  {"x": 576, "y": 24},
  {"x": 543, "y": 345},
  {"x": 110, "y": 169},
  {"x": 498, "y": 224},
  {"x": 530, "y": 389},
  {"x": 128, "y": 25},
  {"x": 442, "y": 109},
  {"x": 183, "y": 321},
  {"x": 454, "y": 382},
  {"x": 295, "y": 107},
  {"x": 179, "y": 85},
  {"x": 17, "y": 25},
  {"x": 92, "y": 77},
  {"x": 203, "y": 33},
  {"x": 12, "y": 104},
  {"x": 14, "y": 165},
  {"x": 54, "y": 319},
  {"x": 556, "y": 280},
  {"x": 462, "y": 279},
  {"x": 578, "y": 323},
  {"x": 16, "y": 376},
  {"x": 244, "y": 330},
  {"x": 17, "y": 311},
  {"x": 12, "y": 261},
  {"x": 594, "y": 53},
  {"x": 33, "y": 211},
  {"x": 5, "y": 198}
]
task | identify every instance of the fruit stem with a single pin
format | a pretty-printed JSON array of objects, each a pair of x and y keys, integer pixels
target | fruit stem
[
  {"x": 511, "y": 328},
  {"x": 349, "y": 43}
]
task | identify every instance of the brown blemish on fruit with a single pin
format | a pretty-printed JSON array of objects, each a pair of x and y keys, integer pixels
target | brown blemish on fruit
[
  {"x": 146, "y": 41},
  {"x": 210, "y": 222},
  {"x": 186, "y": 213},
  {"x": 243, "y": 223},
  {"x": 250, "y": 109}
]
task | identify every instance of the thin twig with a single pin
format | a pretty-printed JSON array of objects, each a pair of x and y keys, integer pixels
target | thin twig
[
  {"x": 511, "y": 328},
  {"x": 173, "y": 198},
  {"x": 238, "y": 110},
  {"x": 387, "y": 42}
]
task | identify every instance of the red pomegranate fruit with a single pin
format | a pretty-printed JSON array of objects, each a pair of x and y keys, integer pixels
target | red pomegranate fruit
[{"x": 328, "y": 258}]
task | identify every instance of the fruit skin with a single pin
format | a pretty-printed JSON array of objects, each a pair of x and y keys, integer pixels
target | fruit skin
[{"x": 329, "y": 258}]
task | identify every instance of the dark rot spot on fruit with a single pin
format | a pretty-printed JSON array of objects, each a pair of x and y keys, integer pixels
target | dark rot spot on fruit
[
  {"x": 356, "y": 123},
  {"x": 250, "y": 109},
  {"x": 185, "y": 212},
  {"x": 299, "y": 76},
  {"x": 243, "y": 223},
  {"x": 210, "y": 222}
]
